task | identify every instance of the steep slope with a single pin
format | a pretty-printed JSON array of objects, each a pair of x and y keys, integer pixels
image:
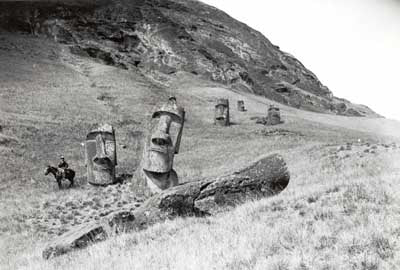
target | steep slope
[
  {"x": 161, "y": 37},
  {"x": 49, "y": 100}
]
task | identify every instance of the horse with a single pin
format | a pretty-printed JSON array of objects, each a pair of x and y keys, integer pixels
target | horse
[{"x": 59, "y": 176}]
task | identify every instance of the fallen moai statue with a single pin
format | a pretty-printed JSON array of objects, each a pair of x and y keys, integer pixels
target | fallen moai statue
[{"x": 266, "y": 177}]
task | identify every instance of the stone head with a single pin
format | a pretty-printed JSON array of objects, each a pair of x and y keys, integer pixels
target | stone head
[
  {"x": 274, "y": 115},
  {"x": 162, "y": 143},
  {"x": 101, "y": 155},
  {"x": 222, "y": 112},
  {"x": 240, "y": 106}
]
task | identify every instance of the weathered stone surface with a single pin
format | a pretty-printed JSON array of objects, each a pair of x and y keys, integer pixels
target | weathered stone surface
[
  {"x": 266, "y": 177},
  {"x": 240, "y": 106},
  {"x": 161, "y": 37},
  {"x": 161, "y": 145},
  {"x": 101, "y": 155},
  {"x": 222, "y": 117},
  {"x": 274, "y": 116}
]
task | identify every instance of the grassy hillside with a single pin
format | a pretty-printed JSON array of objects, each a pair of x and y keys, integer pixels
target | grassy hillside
[{"x": 338, "y": 212}]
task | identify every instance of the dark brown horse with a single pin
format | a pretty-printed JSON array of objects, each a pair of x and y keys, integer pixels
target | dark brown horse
[{"x": 59, "y": 175}]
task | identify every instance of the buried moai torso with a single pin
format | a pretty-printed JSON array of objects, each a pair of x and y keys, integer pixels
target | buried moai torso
[
  {"x": 274, "y": 116},
  {"x": 161, "y": 145},
  {"x": 240, "y": 106},
  {"x": 101, "y": 155},
  {"x": 221, "y": 117}
]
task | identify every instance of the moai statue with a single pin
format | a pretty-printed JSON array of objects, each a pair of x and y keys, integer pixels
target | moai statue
[
  {"x": 274, "y": 116},
  {"x": 101, "y": 155},
  {"x": 222, "y": 112},
  {"x": 240, "y": 106},
  {"x": 161, "y": 145}
]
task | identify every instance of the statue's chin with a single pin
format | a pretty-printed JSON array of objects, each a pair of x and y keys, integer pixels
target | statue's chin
[
  {"x": 102, "y": 175},
  {"x": 160, "y": 181}
]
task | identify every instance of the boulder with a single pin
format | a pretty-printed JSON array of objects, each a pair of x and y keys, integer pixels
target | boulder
[{"x": 266, "y": 177}]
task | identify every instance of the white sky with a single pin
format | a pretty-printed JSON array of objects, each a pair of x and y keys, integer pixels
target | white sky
[{"x": 353, "y": 46}]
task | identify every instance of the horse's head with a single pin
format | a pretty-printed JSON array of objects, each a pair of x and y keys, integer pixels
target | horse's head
[{"x": 48, "y": 169}]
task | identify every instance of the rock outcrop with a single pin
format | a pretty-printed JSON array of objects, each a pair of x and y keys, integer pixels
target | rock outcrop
[
  {"x": 161, "y": 37},
  {"x": 264, "y": 178}
]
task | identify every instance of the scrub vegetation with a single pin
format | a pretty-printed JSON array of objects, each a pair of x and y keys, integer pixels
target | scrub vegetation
[{"x": 340, "y": 210}]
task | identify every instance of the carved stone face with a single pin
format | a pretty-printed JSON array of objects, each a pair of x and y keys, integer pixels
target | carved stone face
[
  {"x": 101, "y": 155},
  {"x": 240, "y": 106},
  {"x": 162, "y": 144},
  {"x": 274, "y": 115},
  {"x": 222, "y": 112}
]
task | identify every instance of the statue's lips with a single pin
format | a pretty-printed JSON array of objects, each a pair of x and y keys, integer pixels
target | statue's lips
[
  {"x": 155, "y": 175},
  {"x": 158, "y": 159},
  {"x": 103, "y": 168},
  {"x": 163, "y": 150}
]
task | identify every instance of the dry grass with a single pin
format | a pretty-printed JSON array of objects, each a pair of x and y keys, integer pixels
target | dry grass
[
  {"x": 339, "y": 211},
  {"x": 347, "y": 223}
]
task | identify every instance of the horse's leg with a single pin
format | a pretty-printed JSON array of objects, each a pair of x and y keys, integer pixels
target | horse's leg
[
  {"x": 72, "y": 178},
  {"x": 59, "y": 183},
  {"x": 72, "y": 181}
]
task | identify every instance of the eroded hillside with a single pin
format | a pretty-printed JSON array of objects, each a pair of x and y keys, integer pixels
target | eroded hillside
[
  {"x": 338, "y": 211},
  {"x": 161, "y": 37},
  {"x": 50, "y": 98}
]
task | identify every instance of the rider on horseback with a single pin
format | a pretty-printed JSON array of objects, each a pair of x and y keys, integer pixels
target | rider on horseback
[
  {"x": 61, "y": 173},
  {"x": 63, "y": 165}
]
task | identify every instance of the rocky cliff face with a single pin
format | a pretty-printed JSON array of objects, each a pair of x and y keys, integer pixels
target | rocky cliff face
[{"x": 162, "y": 37}]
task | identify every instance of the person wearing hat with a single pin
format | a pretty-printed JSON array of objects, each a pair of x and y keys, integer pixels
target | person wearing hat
[{"x": 63, "y": 165}]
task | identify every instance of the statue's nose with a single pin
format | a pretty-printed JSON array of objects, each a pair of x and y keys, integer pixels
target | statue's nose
[
  {"x": 101, "y": 157},
  {"x": 160, "y": 138},
  {"x": 100, "y": 147}
]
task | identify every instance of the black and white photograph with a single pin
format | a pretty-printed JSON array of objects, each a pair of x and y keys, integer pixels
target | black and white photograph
[{"x": 199, "y": 135}]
